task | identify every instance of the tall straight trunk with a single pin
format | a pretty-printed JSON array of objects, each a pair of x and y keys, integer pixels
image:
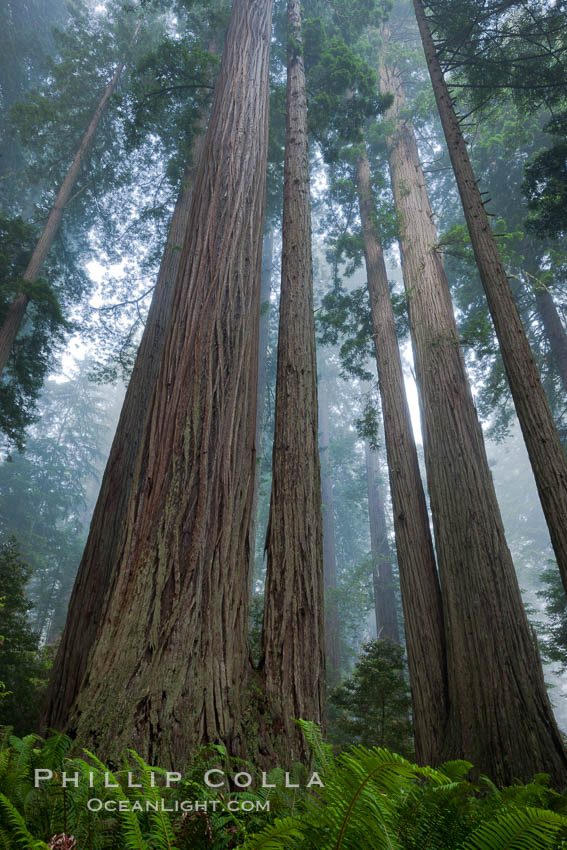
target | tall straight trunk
[
  {"x": 536, "y": 421},
  {"x": 267, "y": 263},
  {"x": 500, "y": 717},
  {"x": 421, "y": 595},
  {"x": 17, "y": 310},
  {"x": 554, "y": 331},
  {"x": 382, "y": 569},
  {"x": 108, "y": 528},
  {"x": 332, "y": 637},
  {"x": 293, "y": 640},
  {"x": 169, "y": 670}
]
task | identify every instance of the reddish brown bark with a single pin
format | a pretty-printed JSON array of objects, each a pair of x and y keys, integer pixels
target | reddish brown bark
[
  {"x": 382, "y": 569},
  {"x": 109, "y": 522},
  {"x": 17, "y": 310},
  {"x": 332, "y": 634},
  {"x": 169, "y": 668},
  {"x": 421, "y": 595},
  {"x": 293, "y": 640},
  {"x": 536, "y": 421},
  {"x": 500, "y": 717}
]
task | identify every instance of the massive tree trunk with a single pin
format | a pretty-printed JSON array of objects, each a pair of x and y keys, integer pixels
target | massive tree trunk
[
  {"x": 500, "y": 717},
  {"x": 109, "y": 521},
  {"x": 293, "y": 641},
  {"x": 332, "y": 635},
  {"x": 169, "y": 668},
  {"x": 554, "y": 331},
  {"x": 17, "y": 310},
  {"x": 538, "y": 428},
  {"x": 267, "y": 263},
  {"x": 382, "y": 569},
  {"x": 421, "y": 596}
]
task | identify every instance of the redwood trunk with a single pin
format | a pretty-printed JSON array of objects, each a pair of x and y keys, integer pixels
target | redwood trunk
[
  {"x": 109, "y": 521},
  {"x": 554, "y": 332},
  {"x": 332, "y": 634},
  {"x": 267, "y": 262},
  {"x": 17, "y": 310},
  {"x": 500, "y": 717},
  {"x": 293, "y": 640},
  {"x": 169, "y": 670},
  {"x": 536, "y": 421},
  {"x": 382, "y": 569},
  {"x": 421, "y": 596}
]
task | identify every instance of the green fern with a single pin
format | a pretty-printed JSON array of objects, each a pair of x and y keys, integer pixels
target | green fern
[{"x": 537, "y": 829}]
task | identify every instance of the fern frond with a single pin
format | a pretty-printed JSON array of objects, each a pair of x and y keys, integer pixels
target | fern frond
[
  {"x": 20, "y": 832},
  {"x": 283, "y": 833},
  {"x": 518, "y": 829}
]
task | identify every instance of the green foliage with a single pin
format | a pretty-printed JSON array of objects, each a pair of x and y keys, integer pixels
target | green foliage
[
  {"x": 372, "y": 706},
  {"x": 43, "y": 328},
  {"x": 545, "y": 184},
  {"x": 23, "y": 668}
]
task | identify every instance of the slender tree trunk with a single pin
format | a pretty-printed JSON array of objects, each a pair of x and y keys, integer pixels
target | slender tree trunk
[
  {"x": 169, "y": 670},
  {"x": 421, "y": 595},
  {"x": 108, "y": 528},
  {"x": 267, "y": 263},
  {"x": 500, "y": 717},
  {"x": 536, "y": 421},
  {"x": 17, "y": 310},
  {"x": 332, "y": 634},
  {"x": 293, "y": 640},
  {"x": 554, "y": 331},
  {"x": 382, "y": 569}
]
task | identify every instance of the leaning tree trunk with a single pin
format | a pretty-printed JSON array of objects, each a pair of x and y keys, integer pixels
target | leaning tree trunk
[
  {"x": 536, "y": 421},
  {"x": 500, "y": 717},
  {"x": 267, "y": 263},
  {"x": 382, "y": 569},
  {"x": 421, "y": 595},
  {"x": 293, "y": 642},
  {"x": 169, "y": 668},
  {"x": 109, "y": 521},
  {"x": 17, "y": 310},
  {"x": 332, "y": 633}
]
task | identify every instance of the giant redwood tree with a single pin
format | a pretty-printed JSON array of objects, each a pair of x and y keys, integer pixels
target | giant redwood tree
[
  {"x": 167, "y": 671},
  {"x": 542, "y": 440},
  {"x": 16, "y": 312},
  {"x": 421, "y": 595},
  {"x": 293, "y": 642},
  {"x": 109, "y": 522},
  {"x": 499, "y": 717}
]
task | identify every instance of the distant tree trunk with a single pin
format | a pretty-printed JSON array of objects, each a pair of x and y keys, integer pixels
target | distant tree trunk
[
  {"x": 332, "y": 634},
  {"x": 169, "y": 670},
  {"x": 497, "y": 697},
  {"x": 536, "y": 421},
  {"x": 554, "y": 331},
  {"x": 17, "y": 310},
  {"x": 267, "y": 262},
  {"x": 108, "y": 528},
  {"x": 382, "y": 569},
  {"x": 293, "y": 640},
  {"x": 421, "y": 595}
]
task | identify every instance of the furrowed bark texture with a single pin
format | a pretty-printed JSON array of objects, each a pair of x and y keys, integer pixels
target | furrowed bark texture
[
  {"x": 109, "y": 522},
  {"x": 332, "y": 636},
  {"x": 293, "y": 640},
  {"x": 500, "y": 717},
  {"x": 382, "y": 569},
  {"x": 267, "y": 263},
  {"x": 17, "y": 310},
  {"x": 421, "y": 595},
  {"x": 169, "y": 670},
  {"x": 536, "y": 421}
]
